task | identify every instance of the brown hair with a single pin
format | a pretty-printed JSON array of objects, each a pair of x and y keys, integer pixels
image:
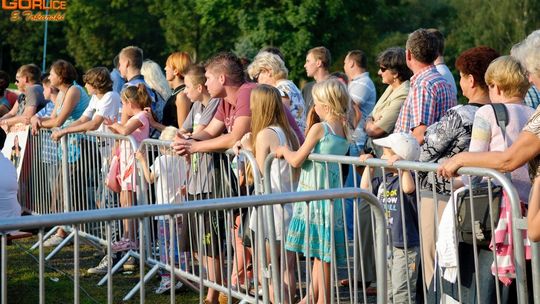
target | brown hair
[
  {"x": 99, "y": 78},
  {"x": 423, "y": 45},
  {"x": 196, "y": 74},
  {"x": 228, "y": 64},
  {"x": 475, "y": 62},
  {"x": 31, "y": 71},
  {"x": 138, "y": 95},
  {"x": 65, "y": 70}
]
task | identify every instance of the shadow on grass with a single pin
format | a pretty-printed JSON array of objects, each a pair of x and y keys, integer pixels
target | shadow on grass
[{"x": 23, "y": 278}]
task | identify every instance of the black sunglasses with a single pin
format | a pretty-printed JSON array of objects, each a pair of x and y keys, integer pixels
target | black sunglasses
[{"x": 383, "y": 69}]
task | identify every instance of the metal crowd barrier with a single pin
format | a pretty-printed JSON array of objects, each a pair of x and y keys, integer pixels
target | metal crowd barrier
[
  {"x": 421, "y": 292},
  {"x": 216, "y": 233},
  {"x": 144, "y": 213}
]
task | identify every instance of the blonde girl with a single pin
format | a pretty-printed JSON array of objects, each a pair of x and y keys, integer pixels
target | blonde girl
[
  {"x": 330, "y": 136},
  {"x": 134, "y": 100}
]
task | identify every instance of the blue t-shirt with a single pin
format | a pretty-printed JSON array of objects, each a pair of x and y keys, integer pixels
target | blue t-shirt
[{"x": 391, "y": 202}]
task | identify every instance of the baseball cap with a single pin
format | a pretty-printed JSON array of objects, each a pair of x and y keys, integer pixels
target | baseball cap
[{"x": 403, "y": 144}]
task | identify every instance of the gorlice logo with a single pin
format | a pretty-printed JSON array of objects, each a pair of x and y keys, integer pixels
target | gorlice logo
[
  {"x": 36, "y": 10},
  {"x": 60, "y": 5}
]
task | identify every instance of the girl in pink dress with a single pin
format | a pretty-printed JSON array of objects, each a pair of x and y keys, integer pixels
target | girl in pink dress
[{"x": 134, "y": 100}]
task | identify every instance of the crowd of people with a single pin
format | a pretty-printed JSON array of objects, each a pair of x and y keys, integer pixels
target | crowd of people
[{"x": 226, "y": 103}]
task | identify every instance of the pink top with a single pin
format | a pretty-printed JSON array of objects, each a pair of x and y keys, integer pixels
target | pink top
[
  {"x": 142, "y": 132},
  {"x": 487, "y": 136}
]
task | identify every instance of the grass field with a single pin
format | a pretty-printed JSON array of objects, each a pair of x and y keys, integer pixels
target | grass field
[{"x": 23, "y": 278}]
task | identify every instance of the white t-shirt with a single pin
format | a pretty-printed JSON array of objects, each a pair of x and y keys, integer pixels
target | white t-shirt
[
  {"x": 107, "y": 107},
  {"x": 9, "y": 204},
  {"x": 170, "y": 176},
  {"x": 447, "y": 75}
]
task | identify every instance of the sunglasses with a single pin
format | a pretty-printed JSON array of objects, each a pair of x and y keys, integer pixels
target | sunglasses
[{"x": 383, "y": 69}]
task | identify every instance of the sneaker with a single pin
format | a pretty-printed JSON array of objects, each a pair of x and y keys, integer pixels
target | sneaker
[
  {"x": 54, "y": 240},
  {"x": 165, "y": 285},
  {"x": 102, "y": 267},
  {"x": 130, "y": 264},
  {"x": 123, "y": 245}
]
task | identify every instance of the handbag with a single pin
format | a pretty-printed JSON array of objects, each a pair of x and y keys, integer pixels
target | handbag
[
  {"x": 113, "y": 177},
  {"x": 482, "y": 207}
]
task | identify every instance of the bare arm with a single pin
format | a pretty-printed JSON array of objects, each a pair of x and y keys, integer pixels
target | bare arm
[
  {"x": 365, "y": 182},
  {"x": 297, "y": 158},
  {"x": 127, "y": 129},
  {"x": 241, "y": 126},
  {"x": 533, "y": 216},
  {"x": 525, "y": 148},
  {"x": 419, "y": 132},
  {"x": 24, "y": 118},
  {"x": 407, "y": 182},
  {"x": 372, "y": 130},
  {"x": 149, "y": 176}
]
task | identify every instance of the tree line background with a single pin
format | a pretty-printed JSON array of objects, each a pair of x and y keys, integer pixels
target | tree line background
[{"x": 94, "y": 31}]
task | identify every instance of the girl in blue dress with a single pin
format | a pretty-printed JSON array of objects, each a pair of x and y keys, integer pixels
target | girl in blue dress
[{"x": 330, "y": 136}]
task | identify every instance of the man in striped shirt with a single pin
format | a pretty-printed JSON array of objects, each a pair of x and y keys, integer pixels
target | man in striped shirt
[{"x": 430, "y": 95}]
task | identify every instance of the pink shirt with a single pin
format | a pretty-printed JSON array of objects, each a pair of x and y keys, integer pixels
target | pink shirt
[
  {"x": 228, "y": 113},
  {"x": 142, "y": 132}
]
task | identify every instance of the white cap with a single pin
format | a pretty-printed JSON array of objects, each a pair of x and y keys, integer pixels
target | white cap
[{"x": 403, "y": 144}]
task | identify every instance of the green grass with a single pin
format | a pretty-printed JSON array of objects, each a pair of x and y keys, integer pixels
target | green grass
[{"x": 23, "y": 278}]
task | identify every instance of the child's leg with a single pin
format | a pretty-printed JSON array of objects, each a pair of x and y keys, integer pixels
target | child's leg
[
  {"x": 163, "y": 226},
  {"x": 324, "y": 282},
  {"x": 126, "y": 200},
  {"x": 402, "y": 265},
  {"x": 242, "y": 256},
  {"x": 213, "y": 270}
]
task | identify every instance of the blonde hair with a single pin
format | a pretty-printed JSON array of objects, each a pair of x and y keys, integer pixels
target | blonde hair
[
  {"x": 509, "y": 75},
  {"x": 137, "y": 95},
  {"x": 179, "y": 61},
  {"x": 154, "y": 77},
  {"x": 269, "y": 61},
  {"x": 168, "y": 133},
  {"x": 334, "y": 94}
]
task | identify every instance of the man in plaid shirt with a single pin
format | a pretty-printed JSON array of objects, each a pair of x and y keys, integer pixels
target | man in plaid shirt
[{"x": 430, "y": 95}]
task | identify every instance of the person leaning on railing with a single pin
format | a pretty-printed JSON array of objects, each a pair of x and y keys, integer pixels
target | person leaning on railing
[
  {"x": 526, "y": 148},
  {"x": 507, "y": 85}
]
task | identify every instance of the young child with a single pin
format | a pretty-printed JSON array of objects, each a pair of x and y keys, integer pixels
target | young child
[
  {"x": 168, "y": 174},
  {"x": 134, "y": 100},
  {"x": 398, "y": 146},
  {"x": 267, "y": 133},
  {"x": 330, "y": 136}
]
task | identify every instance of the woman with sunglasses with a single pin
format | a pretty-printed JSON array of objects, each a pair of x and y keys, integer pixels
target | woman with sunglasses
[{"x": 395, "y": 73}]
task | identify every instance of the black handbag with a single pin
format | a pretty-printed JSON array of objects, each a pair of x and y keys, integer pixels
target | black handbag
[{"x": 481, "y": 206}]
